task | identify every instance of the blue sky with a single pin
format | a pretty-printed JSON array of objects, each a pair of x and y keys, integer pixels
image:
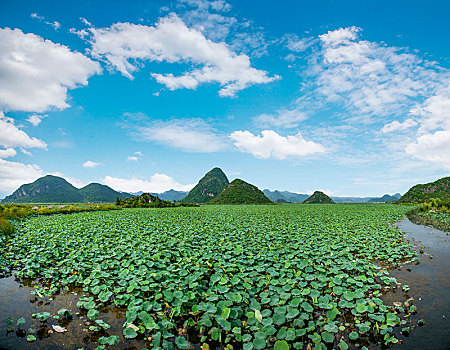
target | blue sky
[{"x": 352, "y": 98}]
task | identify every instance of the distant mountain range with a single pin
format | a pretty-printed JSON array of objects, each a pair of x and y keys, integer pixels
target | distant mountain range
[
  {"x": 291, "y": 197},
  {"x": 423, "y": 192},
  {"x": 54, "y": 189}
]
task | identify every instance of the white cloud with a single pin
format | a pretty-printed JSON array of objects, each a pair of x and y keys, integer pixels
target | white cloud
[
  {"x": 432, "y": 148},
  {"x": 36, "y": 119},
  {"x": 55, "y": 24},
  {"x": 35, "y": 74},
  {"x": 139, "y": 153},
  {"x": 294, "y": 43},
  {"x": 125, "y": 45},
  {"x": 283, "y": 118},
  {"x": 90, "y": 164},
  {"x": 158, "y": 183},
  {"x": 273, "y": 145},
  {"x": 369, "y": 78},
  {"x": 434, "y": 113},
  {"x": 190, "y": 135},
  {"x": 24, "y": 151},
  {"x": 7, "y": 153},
  {"x": 397, "y": 126},
  {"x": 11, "y": 136},
  {"x": 14, "y": 174},
  {"x": 208, "y": 19},
  {"x": 432, "y": 143},
  {"x": 132, "y": 159},
  {"x": 217, "y": 5}
]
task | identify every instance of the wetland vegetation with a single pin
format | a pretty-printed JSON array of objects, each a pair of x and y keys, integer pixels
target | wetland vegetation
[{"x": 251, "y": 277}]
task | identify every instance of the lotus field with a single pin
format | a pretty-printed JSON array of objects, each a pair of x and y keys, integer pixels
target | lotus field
[{"x": 251, "y": 277}]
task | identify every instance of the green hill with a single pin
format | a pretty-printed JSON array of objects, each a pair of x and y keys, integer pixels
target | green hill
[
  {"x": 47, "y": 189},
  {"x": 424, "y": 192},
  {"x": 240, "y": 192},
  {"x": 98, "y": 193},
  {"x": 208, "y": 187},
  {"x": 318, "y": 197},
  {"x": 54, "y": 189}
]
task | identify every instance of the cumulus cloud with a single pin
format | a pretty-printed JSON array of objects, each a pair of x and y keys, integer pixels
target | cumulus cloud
[
  {"x": 91, "y": 164},
  {"x": 35, "y": 74},
  {"x": 433, "y": 137},
  {"x": 273, "y": 145},
  {"x": 6, "y": 153},
  {"x": 11, "y": 136},
  {"x": 283, "y": 118},
  {"x": 158, "y": 183},
  {"x": 190, "y": 135},
  {"x": 433, "y": 147},
  {"x": 15, "y": 174},
  {"x": 434, "y": 112},
  {"x": 397, "y": 126},
  {"x": 132, "y": 158},
  {"x": 35, "y": 119},
  {"x": 125, "y": 46}
]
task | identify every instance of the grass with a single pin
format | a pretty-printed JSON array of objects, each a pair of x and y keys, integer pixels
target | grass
[
  {"x": 435, "y": 213},
  {"x": 249, "y": 276}
]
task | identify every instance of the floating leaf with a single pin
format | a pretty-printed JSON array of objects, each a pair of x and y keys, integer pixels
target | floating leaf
[
  {"x": 281, "y": 345},
  {"x": 182, "y": 343},
  {"x": 20, "y": 321},
  {"x": 129, "y": 333}
]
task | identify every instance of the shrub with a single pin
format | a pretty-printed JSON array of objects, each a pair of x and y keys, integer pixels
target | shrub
[{"x": 6, "y": 227}]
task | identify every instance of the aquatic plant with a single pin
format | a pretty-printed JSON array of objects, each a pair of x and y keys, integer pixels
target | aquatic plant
[{"x": 258, "y": 276}]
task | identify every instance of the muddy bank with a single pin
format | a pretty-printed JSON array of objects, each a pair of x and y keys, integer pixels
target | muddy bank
[{"x": 438, "y": 221}]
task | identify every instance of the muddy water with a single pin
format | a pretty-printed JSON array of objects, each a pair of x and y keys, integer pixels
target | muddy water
[
  {"x": 17, "y": 301},
  {"x": 429, "y": 282}
]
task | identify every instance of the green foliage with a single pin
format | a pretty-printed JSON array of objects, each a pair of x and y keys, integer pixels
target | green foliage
[
  {"x": 54, "y": 189},
  {"x": 241, "y": 192},
  {"x": 147, "y": 200},
  {"x": 435, "y": 213},
  {"x": 318, "y": 197},
  {"x": 6, "y": 227},
  {"x": 424, "y": 192},
  {"x": 208, "y": 187},
  {"x": 256, "y": 275}
]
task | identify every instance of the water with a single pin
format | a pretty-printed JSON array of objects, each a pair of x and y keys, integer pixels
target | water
[
  {"x": 428, "y": 280},
  {"x": 17, "y": 301}
]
